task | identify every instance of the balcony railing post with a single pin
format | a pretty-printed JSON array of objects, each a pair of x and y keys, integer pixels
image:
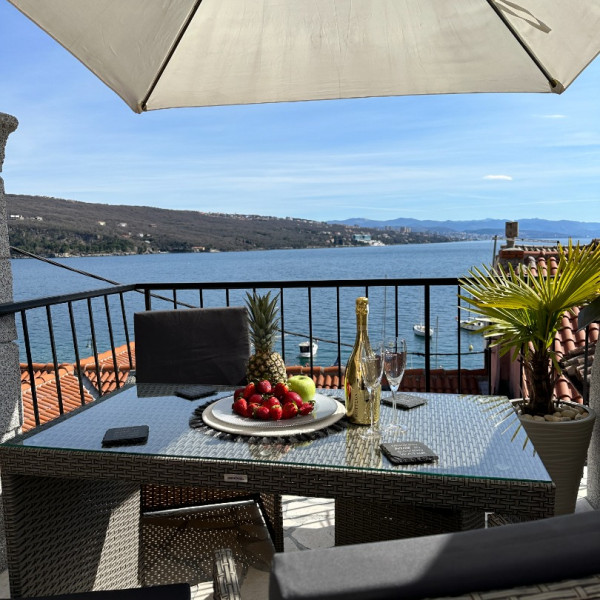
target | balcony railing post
[
  {"x": 339, "y": 333},
  {"x": 76, "y": 350},
  {"x": 427, "y": 308},
  {"x": 310, "y": 332},
  {"x": 34, "y": 400},
  {"x": 282, "y": 313},
  {"x": 586, "y": 364},
  {"x": 458, "y": 344},
  {"x": 55, "y": 360},
  {"x": 112, "y": 342}
]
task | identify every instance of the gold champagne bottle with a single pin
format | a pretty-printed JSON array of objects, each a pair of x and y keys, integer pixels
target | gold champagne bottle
[{"x": 358, "y": 408}]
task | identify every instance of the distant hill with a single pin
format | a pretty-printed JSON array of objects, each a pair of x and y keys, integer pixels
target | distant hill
[
  {"x": 53, "y": 226},
  {"x": 528, "y": 228}
]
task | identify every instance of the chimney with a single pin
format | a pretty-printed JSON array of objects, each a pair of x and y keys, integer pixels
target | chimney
[{"x": 511, "y": 231}]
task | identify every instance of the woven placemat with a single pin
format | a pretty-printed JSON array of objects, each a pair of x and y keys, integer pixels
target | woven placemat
[{"x": 196, "y": 422}]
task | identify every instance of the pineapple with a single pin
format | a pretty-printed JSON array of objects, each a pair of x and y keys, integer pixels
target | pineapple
[{"x": 264, "y": 325}]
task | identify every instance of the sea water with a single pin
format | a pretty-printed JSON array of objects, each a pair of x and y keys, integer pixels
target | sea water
[{"x": 35, "y": 279}]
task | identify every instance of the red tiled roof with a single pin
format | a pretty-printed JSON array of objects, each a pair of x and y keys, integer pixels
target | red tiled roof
[
  {"x": 442, "y": 381},
  {"x": 46, "y": 390},
  {"x": 46, "y": 387},
  {"x": 324, "y": 377},
  {"x": 446, "y": 381}
]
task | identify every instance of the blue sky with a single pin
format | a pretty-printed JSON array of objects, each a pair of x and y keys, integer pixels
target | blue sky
[{"x": 503, "y": 156}]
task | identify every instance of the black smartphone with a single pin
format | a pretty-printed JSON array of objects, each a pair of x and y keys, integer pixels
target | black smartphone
[
  {"x": 195, "y": 391},
  {"x": 126, "y": 436}
]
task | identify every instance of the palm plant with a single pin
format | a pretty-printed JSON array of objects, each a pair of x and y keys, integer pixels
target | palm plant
[{"x": 525, "y": 310}]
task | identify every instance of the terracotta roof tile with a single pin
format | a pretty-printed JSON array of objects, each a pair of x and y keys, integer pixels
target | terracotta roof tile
[
  {"x": 324, "y": 377},
  {"x": 46, "y": 387},
  {"x": 47, "y": 399}
]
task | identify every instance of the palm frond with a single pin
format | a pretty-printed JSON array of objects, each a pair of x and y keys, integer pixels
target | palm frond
[{"x": 525, "y": 306}]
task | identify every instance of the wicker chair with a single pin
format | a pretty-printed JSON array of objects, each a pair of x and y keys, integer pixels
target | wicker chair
[
  {"x": 548, "y": 558},
  {"x": 195, "y": 346},
  {"x": 177, "y": 591}
]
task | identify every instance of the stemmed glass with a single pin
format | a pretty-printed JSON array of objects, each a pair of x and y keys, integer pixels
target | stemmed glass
[
  {"x": 394, "y": 365},
  {"x": 371, "y": 362}
]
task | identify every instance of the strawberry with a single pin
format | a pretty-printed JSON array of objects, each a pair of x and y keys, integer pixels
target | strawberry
[
  {"x": 270, "y": 401},
  {"x": 252, "y": 408},
  {"x": 293, "y": 397},
  {"x": 306, "y": 408},
  {"x": 280, "y": 390},
  {"x": 289, "y": 410},
  {"x": 249, "y": 390},
  {"x": 263, "y": 387},
  {"x": 276, "y": 412},
  {"x": 239, "y": 393},
  {"x": 255, "y": 399},
  {"x": 240, "y": 407},
  {"x": 263, "y": 413}
]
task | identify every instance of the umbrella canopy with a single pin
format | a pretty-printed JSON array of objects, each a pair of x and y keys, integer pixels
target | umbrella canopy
[{"x": 172, "y": 53}]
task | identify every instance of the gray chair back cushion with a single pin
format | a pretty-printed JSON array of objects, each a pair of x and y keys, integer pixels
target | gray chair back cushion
[
  {"x": 204, "y": 345},
  {"x": 445, "y": 565}
]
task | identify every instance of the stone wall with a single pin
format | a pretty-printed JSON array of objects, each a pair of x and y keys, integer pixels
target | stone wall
[{"x": 11, "y": 412}]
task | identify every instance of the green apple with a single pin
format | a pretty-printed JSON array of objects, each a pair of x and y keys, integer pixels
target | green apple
[{"x": 303, "y": 385}]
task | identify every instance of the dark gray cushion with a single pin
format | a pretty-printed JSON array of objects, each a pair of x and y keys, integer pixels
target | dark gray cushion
[
  {"x": 204, "y": 345},
  {"x": 176, "y": 591},
  {"x": 444, "y": 565}
]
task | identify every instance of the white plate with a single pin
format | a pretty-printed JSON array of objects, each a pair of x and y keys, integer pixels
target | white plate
[{"x": 220, "y": 415}]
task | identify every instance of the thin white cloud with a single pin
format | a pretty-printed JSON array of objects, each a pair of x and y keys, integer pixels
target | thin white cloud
[
  {"x": 554, "y": 116},
  {"x": 498, "y": 177}
]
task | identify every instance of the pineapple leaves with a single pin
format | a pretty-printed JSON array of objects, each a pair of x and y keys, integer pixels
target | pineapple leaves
[{"x": 263, "y": 320}]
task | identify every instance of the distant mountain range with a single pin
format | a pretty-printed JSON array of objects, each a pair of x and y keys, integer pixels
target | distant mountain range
[{"x": 528, "y": 228}]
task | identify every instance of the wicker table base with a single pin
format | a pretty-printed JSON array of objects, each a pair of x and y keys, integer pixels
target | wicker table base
[
  {"x": 359, "y": 522},
  {"x": 85, "y": 534},
  {"x": 62, "y": 488}
]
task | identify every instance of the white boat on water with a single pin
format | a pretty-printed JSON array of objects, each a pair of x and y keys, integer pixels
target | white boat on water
[
  {"x": 473, "y": 324},
  {"x": 420, "y": 330},
  {"x": 304, "y": 349}
]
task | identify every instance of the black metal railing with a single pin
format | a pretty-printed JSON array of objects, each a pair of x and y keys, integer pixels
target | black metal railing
[{"x": 103, "y": 318}]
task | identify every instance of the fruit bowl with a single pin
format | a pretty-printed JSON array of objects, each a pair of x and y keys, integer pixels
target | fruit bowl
[
  {"x": 326, "y": 411},
  {"x": 265, "y": 401}
]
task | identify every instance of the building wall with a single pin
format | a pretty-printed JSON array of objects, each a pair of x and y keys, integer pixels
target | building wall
[{"x": 11, "y": 415}]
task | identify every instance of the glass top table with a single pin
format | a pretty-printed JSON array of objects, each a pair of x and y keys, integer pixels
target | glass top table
[
  {"x": 58, "y": 478},
  {"x": 467, "y": 432}
]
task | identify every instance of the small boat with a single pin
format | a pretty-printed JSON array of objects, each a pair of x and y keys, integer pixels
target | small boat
[
  {"x": 473, "y": 324},
  {"x": 420, "y": 330},
  {"x": 304, "y": 349}
]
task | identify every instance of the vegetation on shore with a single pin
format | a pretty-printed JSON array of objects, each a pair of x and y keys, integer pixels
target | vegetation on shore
[{"x": 56, "y": 227}]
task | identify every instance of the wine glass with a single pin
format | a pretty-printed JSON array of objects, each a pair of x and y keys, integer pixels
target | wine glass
[
  {"x": 394, "y": 365},
  {"x": 371, "y": 362}
]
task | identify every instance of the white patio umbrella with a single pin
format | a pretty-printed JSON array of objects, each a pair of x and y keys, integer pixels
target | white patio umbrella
[{"x": 169, "y": 53}]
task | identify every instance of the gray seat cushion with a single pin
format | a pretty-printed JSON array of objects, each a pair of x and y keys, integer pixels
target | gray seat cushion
[
  {"x": 444, "y": 565},
  {"x": 204, "y": 345}
]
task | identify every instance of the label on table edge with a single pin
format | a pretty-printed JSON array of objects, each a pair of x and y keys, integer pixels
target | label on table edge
[{"x": 235, "y": 477}]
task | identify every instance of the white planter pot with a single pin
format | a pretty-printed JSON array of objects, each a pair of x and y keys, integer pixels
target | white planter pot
[{"x": 563, "y": 449}]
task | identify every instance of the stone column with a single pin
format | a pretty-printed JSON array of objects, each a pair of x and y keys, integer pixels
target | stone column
[
  {"x": 593, "y": 462},
  {"x": 10, "y": 376},
  {"x": 11, "y": 411}
]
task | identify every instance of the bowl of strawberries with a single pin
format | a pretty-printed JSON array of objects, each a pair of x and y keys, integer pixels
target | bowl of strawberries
[
  {"x": 265, "y": 401},
  {"x": 272, "y": 409}
]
